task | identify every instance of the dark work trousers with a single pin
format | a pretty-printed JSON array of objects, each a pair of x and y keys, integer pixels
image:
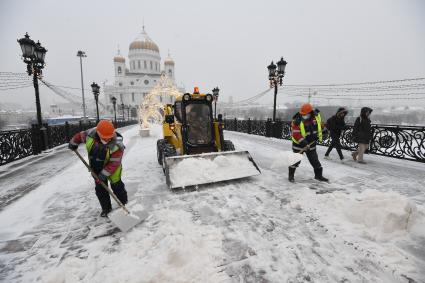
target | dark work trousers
[
  {"x": 312, "y": 157},
  {"x": 337, "y": 145},
  {"x": 105, "y": 200}
]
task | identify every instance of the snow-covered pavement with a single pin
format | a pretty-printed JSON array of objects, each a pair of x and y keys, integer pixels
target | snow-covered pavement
[{"x": 368, "y": 225}]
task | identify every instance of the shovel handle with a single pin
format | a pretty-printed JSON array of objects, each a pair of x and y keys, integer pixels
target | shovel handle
[
  {"x": 101, "y": 182},
  {"x": 306, "y": 147}
]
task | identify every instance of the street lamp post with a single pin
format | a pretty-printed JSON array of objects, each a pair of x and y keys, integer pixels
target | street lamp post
[
  {"x": 128, "y": 112},
  {"x": 122, "y": 108},
  {"x": 82, "y": 54},
  {"x": 33, "y": 55},
  {"x": 215, "y": 92},
  {"x": 276, "y": 78},
  {"x": 95, "y": 88},
  {"x": 114, "y": 103}
]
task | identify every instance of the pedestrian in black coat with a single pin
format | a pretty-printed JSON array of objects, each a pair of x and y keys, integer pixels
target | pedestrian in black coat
[
  {"x": 335, "y": 125},
  {"x": 362, "y": 134}
]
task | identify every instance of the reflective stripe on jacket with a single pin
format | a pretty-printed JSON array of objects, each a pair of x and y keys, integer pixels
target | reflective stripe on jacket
[
  {"x": 114, "y": 152},
  {"x": 295, "y": 131}
]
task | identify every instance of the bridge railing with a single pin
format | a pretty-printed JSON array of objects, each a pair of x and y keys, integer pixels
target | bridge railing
[
  {"x": 18, "y": 144},
  {"x": 403, "y": 142}
]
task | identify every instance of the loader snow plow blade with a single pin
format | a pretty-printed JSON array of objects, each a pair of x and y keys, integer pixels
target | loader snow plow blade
[{"x": 200, "y": 169}]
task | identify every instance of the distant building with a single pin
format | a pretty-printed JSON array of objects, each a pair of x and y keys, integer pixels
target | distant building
[
  {"x": 134, "y": 81},
  {"x": 230, "y": 101},
  {"x": 17, "y": 119}
]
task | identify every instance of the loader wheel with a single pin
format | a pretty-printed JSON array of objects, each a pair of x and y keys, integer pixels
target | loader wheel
[
  {"x": 228, "y": 146},
  {"x": 160, "y": 145},
  {"x": 168, "y": 151}
]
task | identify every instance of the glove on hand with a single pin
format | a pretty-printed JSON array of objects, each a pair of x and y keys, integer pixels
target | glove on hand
[
  {"x": 72, "y": 146},
  {"x": 304, "y": 143},
  {"x": 102, "y": 178}
]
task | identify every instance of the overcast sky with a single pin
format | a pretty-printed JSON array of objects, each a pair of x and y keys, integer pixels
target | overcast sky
[{"x": 220, "y": 43}]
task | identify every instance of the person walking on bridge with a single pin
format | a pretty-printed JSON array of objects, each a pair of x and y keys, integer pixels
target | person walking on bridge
[
  {"x": 307, "y": 128},
  {"x": 105, "y": 151},
  {"x": 335, "y": 125},
  {"x": 362, "y": 134}
]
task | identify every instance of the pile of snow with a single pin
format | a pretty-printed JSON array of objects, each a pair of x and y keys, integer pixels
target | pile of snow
[
  {"x": 382, "y": 213},
  {"x": 371, "y": 214},
  {"x": 210, "y": 168}
]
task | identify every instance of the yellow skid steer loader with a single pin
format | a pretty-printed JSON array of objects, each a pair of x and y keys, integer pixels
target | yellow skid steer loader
[{"x": 193, "y": 150}]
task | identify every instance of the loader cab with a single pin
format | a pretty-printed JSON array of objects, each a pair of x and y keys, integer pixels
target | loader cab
[{"x": 194, "y": 112}]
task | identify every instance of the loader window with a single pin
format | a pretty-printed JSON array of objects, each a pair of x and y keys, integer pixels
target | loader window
[
  {"x": 199, "y": 124},
  {"x": 178, "y": 110}
]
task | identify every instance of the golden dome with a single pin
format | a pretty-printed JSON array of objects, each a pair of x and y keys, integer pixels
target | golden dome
[
  {"x": 169, "y": 62},
  {"x": 143, "y": 41},
  {"x": 119, "y": 59},
  {"x": 144, "y": 45}
]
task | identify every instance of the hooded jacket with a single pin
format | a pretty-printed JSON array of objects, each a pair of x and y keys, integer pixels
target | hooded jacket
[
  {"x": 362, "y": 131},
  {"x": 336, "y": 124}
]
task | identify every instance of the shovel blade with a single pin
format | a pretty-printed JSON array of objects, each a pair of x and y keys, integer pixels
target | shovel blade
[
  {"x": 126, "y": 221},
  {"x": 286, "y": 159}
]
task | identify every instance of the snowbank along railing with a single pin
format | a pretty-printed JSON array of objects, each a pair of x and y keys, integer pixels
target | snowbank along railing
[
  {"x": 17, "y": 144},
  {"x": 403, "y": 142}
]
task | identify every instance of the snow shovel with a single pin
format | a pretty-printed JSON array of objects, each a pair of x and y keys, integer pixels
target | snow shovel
[
  {"x": 121, "y": 217},
  {"x": 289, "y": 158}
]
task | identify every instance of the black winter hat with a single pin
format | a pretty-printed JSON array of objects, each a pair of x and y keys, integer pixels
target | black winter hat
[
  {"x": 342, "y": 110},
  {"x": 365, "y": 110}
]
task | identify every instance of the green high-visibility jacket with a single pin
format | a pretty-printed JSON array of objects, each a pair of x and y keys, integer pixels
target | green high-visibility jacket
[
  {"x": 302, "y": 129},
  {"x": 115, "y": 176}
]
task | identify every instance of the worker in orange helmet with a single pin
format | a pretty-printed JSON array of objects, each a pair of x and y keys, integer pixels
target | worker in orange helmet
[
  {"x": 105, "y": 150},
  {"x": 307, "y": 129}
]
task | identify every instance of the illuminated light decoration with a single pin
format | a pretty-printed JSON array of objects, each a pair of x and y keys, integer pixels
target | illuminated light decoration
[
  {"x": 209, "y": 97},
  {"x": 196, "y": 90},
  {"x": 151, "y": 108}
]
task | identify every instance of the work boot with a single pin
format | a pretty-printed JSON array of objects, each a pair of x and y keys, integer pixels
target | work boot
[
  {"x": 291, "y": 174},
  {"x": 318, "y": 175},
  {"x": 105, "y": 213}
]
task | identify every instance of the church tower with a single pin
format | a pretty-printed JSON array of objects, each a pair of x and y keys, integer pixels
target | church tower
[
  {"x": 169, "y": 67},
  {"x": 119, "y": 65},
  {"x": 144, "y": 55}
]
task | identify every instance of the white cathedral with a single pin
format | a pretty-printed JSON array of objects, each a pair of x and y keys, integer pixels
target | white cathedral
[{"x": 132, "y": 84}]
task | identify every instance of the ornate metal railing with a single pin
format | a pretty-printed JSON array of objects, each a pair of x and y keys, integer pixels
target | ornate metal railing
[
  {"x": 403, "y": 142},
  {"x": 15, "y": 145},
  {"x": 399, "y": 142},
  {"x": 18, "y": 144}
]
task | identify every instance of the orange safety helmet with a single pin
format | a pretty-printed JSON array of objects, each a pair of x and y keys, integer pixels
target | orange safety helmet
[
  {"x": 105, "y": 129},
  {"x": 306, "y": 108}
]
